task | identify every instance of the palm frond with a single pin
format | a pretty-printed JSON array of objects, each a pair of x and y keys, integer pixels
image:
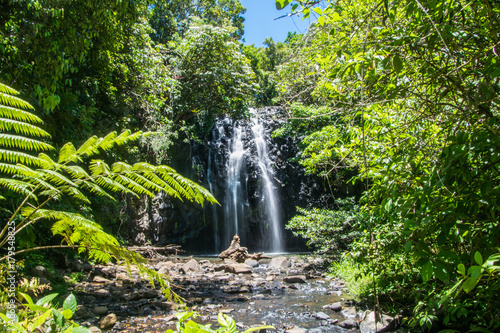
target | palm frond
[{"x": 22, "y": 142}]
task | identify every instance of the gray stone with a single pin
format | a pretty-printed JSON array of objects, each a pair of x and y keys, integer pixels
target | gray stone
[
  {"x": 252, "y": 263},
  {"x": 321, "y": 316},
  {"x": 296, "y": 330},
  {"x": 191, "y": 266},
  {"x": 164, "y": 305},
  {"x": 385, "y": 323},
  {"x": 40, "y": 272},
  {"x": 100, "y": 279},
  {"x": 108, "y": 322},
  {"x": 100, "y": 310},
  {"x": 279, "y": 263},
  {"x": 337, "y": 306},
  {"x": 295, "y": 279},
  {"x": 349, "y": 312},
  {"x": 349, "y": 323},
  {"x": 82, "y": 312},
  {"x": 239, "y": 269},
  {"x": 94, "y": 329}
]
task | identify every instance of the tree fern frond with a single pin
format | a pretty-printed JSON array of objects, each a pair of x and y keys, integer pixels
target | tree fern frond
[
  {"x": 18, "y": 186},
  {"x": 18, "y": 114},
  {"x": 68, "y": 154},
  {"x": 22, "y": 142},
  {"x": 25, "y": 171},
  {"x": 44, "y": 185},
  {"x": 113, "y": 185},
  {"x": 132, "y": 185},
  {"x": 145, "y": 182},
  {"x": 10, "y": 100},
  {"x": 75, "y": 193},
  {"x": 58, "y": 178},
  {"x": 76, "y": 171},
  {"x": 18, "y": 157},
  {"x": 47, "y": 162},
  {"x": 121, "y": 167},
  {"x": 12, "y": 169},
  {"x": 107, "y": 142},
  {"x": 89, "y": 147},
  {"x": 95, "y": 189},
  {"x": 8, "y": 90},
  {"x": 22, "y": 128},
  {"x": 126, "y": 137},
  {"x": 148, "y": 171},
  {"x": 99, "y": 167},
  {"x": 167, "y": 176}
]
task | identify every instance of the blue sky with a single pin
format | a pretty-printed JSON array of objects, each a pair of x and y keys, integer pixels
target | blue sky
[{"x": 260, "y": 22}]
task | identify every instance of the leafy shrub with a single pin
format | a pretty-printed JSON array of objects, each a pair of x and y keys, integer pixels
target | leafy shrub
[{"x": 329, "y": 231}]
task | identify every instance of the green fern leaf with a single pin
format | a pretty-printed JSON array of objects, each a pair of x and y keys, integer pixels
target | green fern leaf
[
  {"x": 132, "y": 185},
  {"x": 68, "y": 154},
  {"x": 127, "y": 137},
  {"x": 47, "y": 162},
  {"x": 58, "y": 178},
  {"x": 113, "y": 185},
  {"x": 18, "y": 114},
  {"x": 95, "y": 189},
  {"x": 89, "y": 147},
  {"x": 18, "y": 186},
  {"x": 22, "y": 142},
  {"x": 76, "y": 171},
  {"x": 19, "y": 157},
  {"x": 12, "y": 169},
  {"x": 9, "y": 100},
  {"x": 99, "y": 167},
  {"x": 121, "y": 167},
  {"x": 107, "y": 142},
  {"x": 20, "y": 127}
]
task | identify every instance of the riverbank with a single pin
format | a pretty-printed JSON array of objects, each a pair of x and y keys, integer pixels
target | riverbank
[{"x": 291, "y": 293}]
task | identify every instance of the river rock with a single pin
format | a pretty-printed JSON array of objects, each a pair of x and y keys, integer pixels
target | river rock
[
  {"x": 295, "y": 279},
  {"x": 83, "y": 312},
  {"x": 350, "y": 312},
  {"x": 321, "y": 316},
  {"x": 252, "y": 263},
  {"x": 191, "y": 266},
  {"x": 296, "y": 330},
  {"x": 108, "y": 322},
  {"x": 94, "y": 329},
  {"x": 100, "y": 310},
  {"x": 279, "y": 263},
  {"x": 40, "y": 272},
  {"x": 385, "y": 324},
  {"x": 239, "y": 269},
  {"x": 337, "y": 306},
  {"x": 100, "y": 279},
  {"x": 349, "y": 323}
]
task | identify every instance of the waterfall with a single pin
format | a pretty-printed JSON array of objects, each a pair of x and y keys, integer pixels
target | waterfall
[
  {"x": 269, "y": 197},
  {"x": 240, "y": 171},
  {"x": 234, "y": 205}
]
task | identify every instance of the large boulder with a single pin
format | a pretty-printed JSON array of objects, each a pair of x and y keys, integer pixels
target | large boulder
[
  {"x": 239, "y": 269},
  {"x": 279, "y": 263},
  {"x": 386, "y": 323},
  {"x": 191, "y": 266}
]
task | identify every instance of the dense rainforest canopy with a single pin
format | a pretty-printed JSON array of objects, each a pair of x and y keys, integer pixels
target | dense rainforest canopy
[{"x": 402, "y": 94}]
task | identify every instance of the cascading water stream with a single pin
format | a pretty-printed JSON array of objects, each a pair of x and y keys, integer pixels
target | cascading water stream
[
  {"x": 235, "y": 196},
  {"x": 269, "y": 197}
]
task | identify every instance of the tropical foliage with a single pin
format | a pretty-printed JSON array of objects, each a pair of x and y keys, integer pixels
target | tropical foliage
[
  {"x": 415, "y": 85},
  {"x": 73, "y": 174}
]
